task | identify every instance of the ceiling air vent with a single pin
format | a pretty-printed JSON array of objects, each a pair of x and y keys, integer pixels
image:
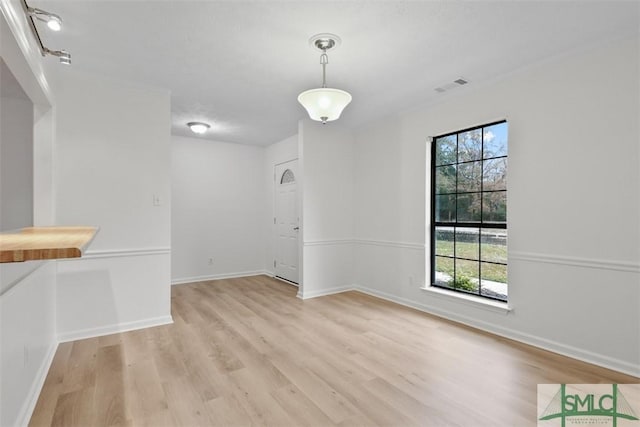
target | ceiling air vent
[{"x": 448, "y": 86}]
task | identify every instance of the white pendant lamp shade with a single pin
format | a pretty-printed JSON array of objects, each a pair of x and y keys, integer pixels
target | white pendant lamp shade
[{"x": 324, "y": 104}]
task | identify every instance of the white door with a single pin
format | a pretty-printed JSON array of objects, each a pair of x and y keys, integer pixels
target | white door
[{"x": 286, "y": 221}]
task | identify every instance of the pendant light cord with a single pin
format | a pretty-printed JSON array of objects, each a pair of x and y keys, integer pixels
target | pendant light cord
[{"x": 324, "y": 60}]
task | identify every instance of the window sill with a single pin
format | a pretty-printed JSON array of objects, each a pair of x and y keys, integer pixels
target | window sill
[{"x": 479, "y": 302}]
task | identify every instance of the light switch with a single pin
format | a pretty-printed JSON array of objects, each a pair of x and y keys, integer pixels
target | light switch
[{"x": 156, "y": 200}]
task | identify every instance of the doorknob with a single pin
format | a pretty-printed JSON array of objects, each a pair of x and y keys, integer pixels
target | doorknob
[{"x": 296, "y": 228}]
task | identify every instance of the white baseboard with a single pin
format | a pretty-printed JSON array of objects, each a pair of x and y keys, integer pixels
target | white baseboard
[
  {"x": 323, "y": 292},
  {"x": 193, "y": 279},
  {"x": 114, "y": 329},
  {"x": 543, "y": 343},
  {"x": 36, "y": 387}
]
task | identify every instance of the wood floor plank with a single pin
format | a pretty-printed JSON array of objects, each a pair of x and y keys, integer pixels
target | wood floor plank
[
  {"x": 52, "y": 386},
  {"x": 136, "y": 345},
  {"x": 81, "y": 365},
  {"x": 144, "y": 394},
  {"x": 185, "y": 405},
  {"x": 359, "y": 397},
  {"x": 203, "y": 369},
  {"x": 227, "y": 411},
  {"x": 165, "y": 353},
  {"x": 110, "y": 409},
  {"x": 221, "y": 349},
  {"x": 259, "y": 404},
  {"x": 301, "y": 410},
  {"x": 330, "y": 401},
  {"x": 247, "y": 351},
  {"x": 74, "y": 409}
]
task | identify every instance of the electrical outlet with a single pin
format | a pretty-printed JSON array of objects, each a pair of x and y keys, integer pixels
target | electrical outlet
[{"x": 210, "y": 261}]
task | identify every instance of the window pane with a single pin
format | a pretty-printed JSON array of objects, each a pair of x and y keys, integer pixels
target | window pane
[
  {"x": 495, "y": 140},
  {"x": 494, "y": 245},
  {"x": 446, "y": 150},
  {"x": 494, "y": 207},
  {"x": 445, "y": 179},
  {"x": 468, "y": 208},
  {"x": 494, "y": 281},
  {"x": 494, "y": 174},
  {"x": 470, "y": 189},
  {"x": 444, "y": 241},
  {"x": 444, "y": 271},
  {"x": 470, "y": 145},
  {"x": 467, "y": 243},
  {"x": 466, "y": 278},
  {"x": 446, "y": 208},
  {"x": 469, "y": 176}
]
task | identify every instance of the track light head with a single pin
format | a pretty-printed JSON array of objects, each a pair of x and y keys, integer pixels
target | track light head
[
  {"x": 65, "y": 58},
  {"x": 63, "y": 55},
  {"x": 53, "y": 21}
]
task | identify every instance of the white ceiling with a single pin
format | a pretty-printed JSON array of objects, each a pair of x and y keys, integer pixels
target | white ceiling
[{"x": 240, "y": 65}]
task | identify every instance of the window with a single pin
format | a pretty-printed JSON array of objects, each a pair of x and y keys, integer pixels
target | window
[
  {"x": 469, "y": 211},
  {"x": 287, "y": 177}
]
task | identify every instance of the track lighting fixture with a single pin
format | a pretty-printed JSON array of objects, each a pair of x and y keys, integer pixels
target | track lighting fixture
[{"x": 54, "y": 22}]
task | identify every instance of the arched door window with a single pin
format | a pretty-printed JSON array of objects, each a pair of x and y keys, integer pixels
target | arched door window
[{"x": 287, "y": 177}]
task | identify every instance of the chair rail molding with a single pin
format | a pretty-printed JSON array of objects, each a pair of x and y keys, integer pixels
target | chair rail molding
[{"x": 605, "y": 264}]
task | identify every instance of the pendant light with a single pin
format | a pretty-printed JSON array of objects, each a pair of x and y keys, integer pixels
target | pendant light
[{"x": 324, "y": 104}]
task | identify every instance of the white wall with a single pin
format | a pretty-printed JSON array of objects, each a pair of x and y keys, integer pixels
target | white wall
[
  {"x": 27, "y": 290},
  {"x": 112, "y": 170},
  {"x": 43, "y": 163},
  {"x": 218, "y": 209},
  {"x": 327, "y": 159},
  {"x": 574, "y": 232},
  {"x": 16, "y": 154},
  {"x": 27, "y": 319},
  {"x": 274, "y": 154}
]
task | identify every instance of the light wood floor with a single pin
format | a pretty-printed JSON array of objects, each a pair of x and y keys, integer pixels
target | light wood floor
[{"x": 248, "y": 352}]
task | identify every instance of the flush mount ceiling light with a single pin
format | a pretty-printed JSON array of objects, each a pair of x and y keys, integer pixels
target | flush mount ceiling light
[
  {"x": 198, "y": 127},
  {"x": 54, "y": 22},
  {"x": 324, "y": 104}
]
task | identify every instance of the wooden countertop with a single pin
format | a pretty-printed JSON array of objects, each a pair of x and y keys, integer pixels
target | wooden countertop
[{"x": 38, "y": 243}]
